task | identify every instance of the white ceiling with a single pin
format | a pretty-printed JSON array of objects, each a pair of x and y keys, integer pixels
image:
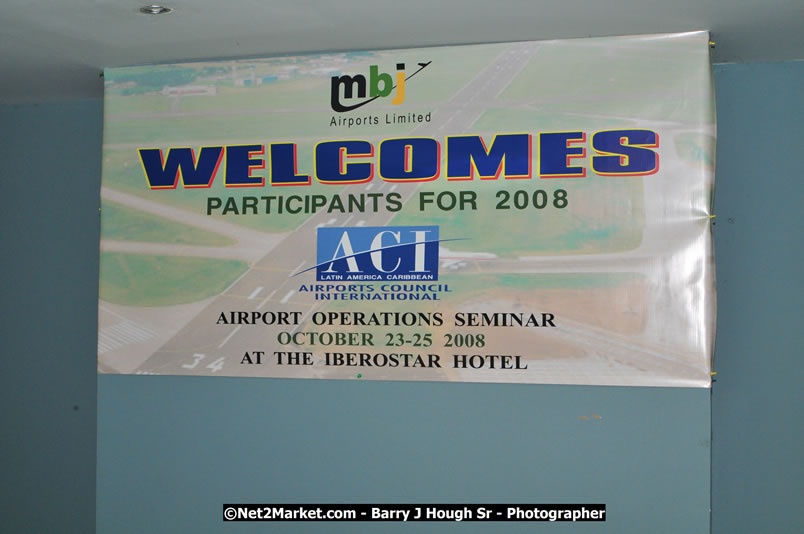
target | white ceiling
[{"x": 55, "y": 49}]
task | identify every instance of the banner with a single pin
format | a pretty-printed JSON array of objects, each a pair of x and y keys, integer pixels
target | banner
[{"x": 531, "y": 212}]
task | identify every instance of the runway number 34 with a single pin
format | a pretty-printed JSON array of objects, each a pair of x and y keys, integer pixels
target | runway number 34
[{"x": 216, "y": 365}]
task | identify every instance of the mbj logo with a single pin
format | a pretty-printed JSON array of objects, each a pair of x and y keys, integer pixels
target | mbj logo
[
  {"x": 379, "y": 84},
  {"x": 377, "y": 253}
]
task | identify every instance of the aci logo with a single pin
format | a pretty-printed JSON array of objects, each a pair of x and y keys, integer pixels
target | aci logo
[
  {"x": 377, "y": 253},
  {"x": 379, "y": 84}
]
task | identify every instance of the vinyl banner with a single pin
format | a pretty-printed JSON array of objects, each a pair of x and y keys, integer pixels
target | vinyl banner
[{"x": 531, "y": 212}]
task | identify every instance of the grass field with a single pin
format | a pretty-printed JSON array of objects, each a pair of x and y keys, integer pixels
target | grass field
[
  {"x": 120, "y": 222},
  {"x": 122, "y": 171},
  {"x": 256, "y": 127},
  {"x": 143, "y": 280}
]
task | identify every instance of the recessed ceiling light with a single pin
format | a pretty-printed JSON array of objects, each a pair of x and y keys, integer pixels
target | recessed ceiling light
[{"x": 154, "y": 9}]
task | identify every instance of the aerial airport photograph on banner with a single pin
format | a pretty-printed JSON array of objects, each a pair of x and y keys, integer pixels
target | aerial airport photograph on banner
[{"x": 529, "y": 212}]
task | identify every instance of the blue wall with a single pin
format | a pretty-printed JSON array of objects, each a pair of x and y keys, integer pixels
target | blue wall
[
  {"x": 49, "y": 230},
  {"x": 758, "y": 433},
  {"x": 173, "y": 449}
]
